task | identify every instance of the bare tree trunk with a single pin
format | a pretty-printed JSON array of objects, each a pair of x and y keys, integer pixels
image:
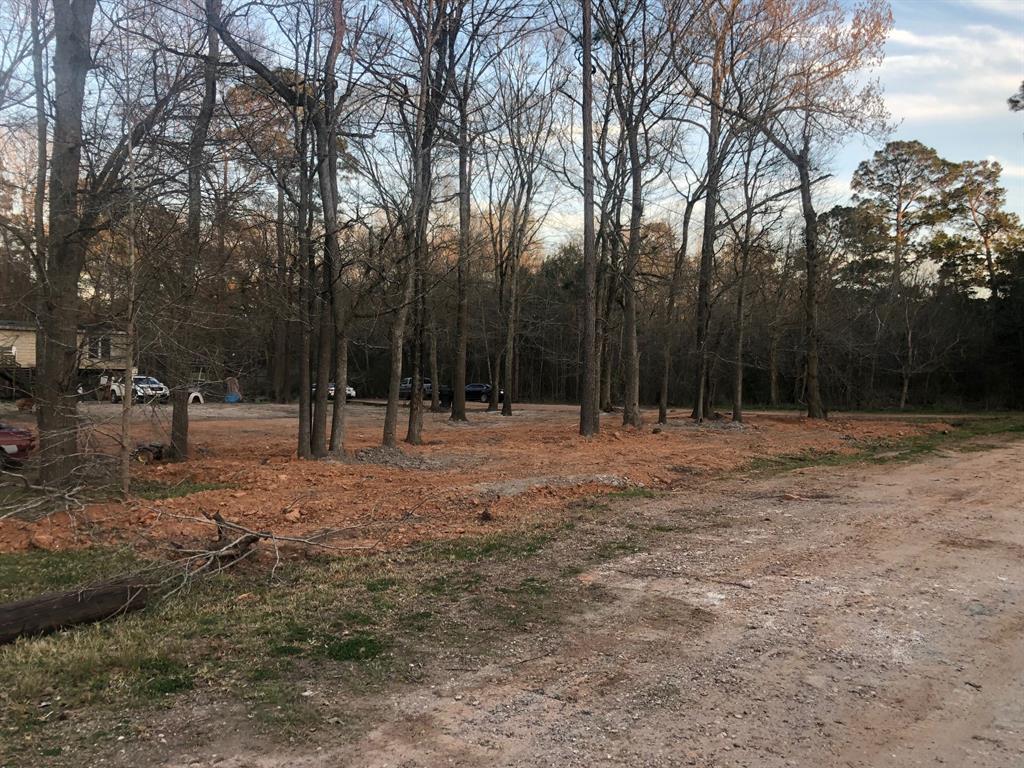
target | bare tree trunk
[
  {"x": 56, "y": 399},
  {"x": 435, "y": 381},
  {"x": 280, "y": 374},
  {"x": 303, "y": 226},
  {"x": 631, "y": 363},
  {"x": 815, "y": 407},
  {"x": 337, "y": 447},
  {"x": 325, "y": 346},
  {"x": 675, "y": 286},
  {"x": 39, "y": 79},
  {"x": 773, "y": 370},
  {"x": 740, "y": 320},
  {"x": 181, "y": 362},
  {"x": 462, "y": 313},
  {"x": 589, "y": 418},
  {"x": 397, "y": 341},
  {"x": 908, "y": 366},
  {"x": 510, "y": 333},
  {"x": 414, "y": 431},
  {"x": 707, "y": 249},
  {"x": 495, "y": 370},
  {"x": 127, "y": 387}
]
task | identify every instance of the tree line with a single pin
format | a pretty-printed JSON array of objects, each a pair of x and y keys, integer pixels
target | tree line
[{"x": 616, "y": 204}]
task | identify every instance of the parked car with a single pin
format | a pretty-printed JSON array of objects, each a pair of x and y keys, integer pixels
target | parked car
[
  {"x": 481, "y": 393},
  {"x": 444, "y": 392},
  {"x": 350, "y": 391},
  {"x": 405, "y": 388},
  {"x": 144, "y": 389},
  {"x": 15, "y": 444}
]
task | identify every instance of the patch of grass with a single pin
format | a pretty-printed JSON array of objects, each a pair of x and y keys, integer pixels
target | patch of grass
[
  {"x": 634, "y": 493},
  {"x": 162, "y": 676},
  {"x": 373, "y": 618},
  {"x": 152, "y": 490},
  {"x": 962, "y": 437},
  {"x": 498, "y": 545},
  {"x": 608, "y": 550},
  {"x": 24, "y": 574},
  {"x": 357, "y": 647},
  {"x": 417, "y": 621},
  {"x": 454, "y": 583},
  {"x": 349, "y": 616},
  {"x": 381, "y": 584}
]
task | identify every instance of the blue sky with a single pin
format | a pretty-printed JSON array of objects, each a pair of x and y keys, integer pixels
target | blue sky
[{"x": 950, "y": 66}]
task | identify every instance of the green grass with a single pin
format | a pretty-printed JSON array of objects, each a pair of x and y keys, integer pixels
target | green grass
[
  {"x": 24, "y": 574},
  {"x": 162, "y": 676},
  {"x": 361, "y": 623},
  {"x": 963, "y": 436},
  {"x": 499, "y": 545},
  {"x": 359, "y": 647},
  {"x": 153, "y": 491}
]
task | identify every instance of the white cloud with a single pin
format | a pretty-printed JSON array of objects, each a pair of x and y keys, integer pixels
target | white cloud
[
  {"x": 951, "y": 76},
  {"x": 1010, "y": 170},
  {"x": 1012, "y": 8}
]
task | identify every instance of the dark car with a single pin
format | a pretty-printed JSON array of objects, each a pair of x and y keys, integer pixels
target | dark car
[
  {"x": 481, "y": 393},
  {"x": 15, "y": 444},
  {"x": 405, "y": 388},
  {"x": 444, "y": 392}
]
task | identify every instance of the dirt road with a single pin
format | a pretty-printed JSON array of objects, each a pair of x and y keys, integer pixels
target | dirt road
[{"x": 870, "y": 617}]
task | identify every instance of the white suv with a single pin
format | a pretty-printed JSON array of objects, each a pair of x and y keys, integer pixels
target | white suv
[{"x": 144, "y": 389}]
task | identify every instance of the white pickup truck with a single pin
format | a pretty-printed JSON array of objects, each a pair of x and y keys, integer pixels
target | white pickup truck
[{"x": 144, "y": 389}]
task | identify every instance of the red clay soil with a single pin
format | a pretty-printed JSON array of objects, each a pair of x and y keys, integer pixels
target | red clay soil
[{"x": 490, "y": 474}]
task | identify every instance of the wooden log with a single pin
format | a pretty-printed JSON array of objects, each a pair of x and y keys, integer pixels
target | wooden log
[{"x": 56, "y": 610}]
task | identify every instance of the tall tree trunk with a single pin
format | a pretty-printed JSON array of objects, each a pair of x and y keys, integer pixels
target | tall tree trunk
[
  {"x": 414, "y": 431},
  {"x": 675, "y": 286},
  {"x": 589, "y": 418},
  {"x": 815, "y": 407},
  {"x": 306, "y": 276},
  {"x": 181, "y": 360},
  {"x": 510, "y": 331},
  {"x": 435, "y": 380},
  {"x": 707, "y": 249},
  {"x": 337, "y": 447},
  {"x": 396, "y": 344},
  {"x": 740, "y": 320},
  {"x": 39, "y": 79},
  {"x": 65, "y": 256},
  {"x": 631, "y": 364},
  {"x": 773, "y": 370},
  {"x": 325, "y": 346},
  {"x": 280, "y": 359},
  {"x": 495, "y": 371},
  {"x": 462, "y": 312}
]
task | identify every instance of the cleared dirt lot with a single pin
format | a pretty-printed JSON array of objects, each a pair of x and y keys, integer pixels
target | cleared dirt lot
[
  {"x": 715, "y": 597},
  {"x": 866, "y": 618},
  {"x": 516, "y": 469}
]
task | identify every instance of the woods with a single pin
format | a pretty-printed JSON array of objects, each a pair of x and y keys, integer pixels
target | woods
[{"x": 619, "y": 205}]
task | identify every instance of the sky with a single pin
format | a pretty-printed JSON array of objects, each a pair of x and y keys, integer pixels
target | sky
[{"x": 949, "y": 68}]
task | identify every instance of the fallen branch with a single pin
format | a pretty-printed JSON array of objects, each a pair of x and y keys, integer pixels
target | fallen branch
[
  {"x": 105, "y": 600},
  {"x": 56, "y": 610}
]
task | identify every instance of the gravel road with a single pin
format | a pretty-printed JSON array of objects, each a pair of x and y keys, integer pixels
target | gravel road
[{"x": 855, "y": 617}]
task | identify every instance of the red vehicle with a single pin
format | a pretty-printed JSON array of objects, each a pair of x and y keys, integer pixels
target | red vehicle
[{"x": 15, "y": 444}]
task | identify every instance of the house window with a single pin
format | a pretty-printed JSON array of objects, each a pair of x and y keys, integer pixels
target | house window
[{"x": 7, "y": 358}]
